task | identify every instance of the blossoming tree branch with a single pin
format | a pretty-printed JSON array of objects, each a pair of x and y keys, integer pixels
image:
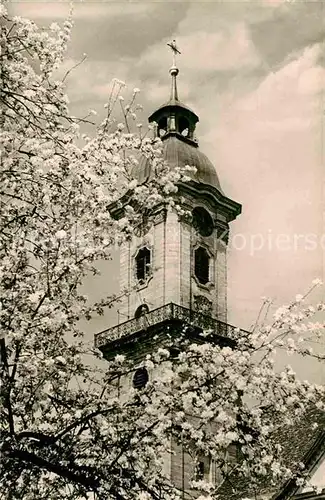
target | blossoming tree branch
[{"x": 66, "y": 432}]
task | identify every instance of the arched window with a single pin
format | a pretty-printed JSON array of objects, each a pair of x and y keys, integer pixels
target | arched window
[
  {"x": 202, "y": 467},
  {"x": 142, "y": 263},
  {"x": 199, "y": 471},
  {"x": 141, "y": 311},
  {"x": 201, "y": 265},
  {"x": 140, "y": 378},
  {"x": 183, "y": 126},
  {"x": 162, "y": 127}
]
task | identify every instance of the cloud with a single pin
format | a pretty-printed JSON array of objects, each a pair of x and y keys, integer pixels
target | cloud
[
  {"x": 40, "y": 11},
  {"x": 279, "y": 94},
  {"x": 206, "y": 52},
  {"x": 294, "y": 26},
  {"x": 43, "y": 10},
  {"x": 109, "y": 30},
  {"x": 126, "y": 30},
  {"x": 312, "y": 81},
  {"x": 267, "y": 149}
]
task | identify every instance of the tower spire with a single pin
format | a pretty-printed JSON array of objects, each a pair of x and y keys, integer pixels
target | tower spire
[{"x": 174, "y": 71}]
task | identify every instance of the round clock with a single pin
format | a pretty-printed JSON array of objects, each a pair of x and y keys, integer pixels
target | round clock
[{"x": 142, "y": 228}]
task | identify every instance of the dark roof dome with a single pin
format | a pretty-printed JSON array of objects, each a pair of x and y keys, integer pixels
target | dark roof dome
[{"x": 179, "y": 153}]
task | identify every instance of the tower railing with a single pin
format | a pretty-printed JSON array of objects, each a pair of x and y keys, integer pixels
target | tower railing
[{"x": 168, "y": 312}]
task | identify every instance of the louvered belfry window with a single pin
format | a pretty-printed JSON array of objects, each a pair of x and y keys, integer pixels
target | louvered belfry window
[
  {"x": 201, "y": 265},
  {"x": 143, "y": 261}
]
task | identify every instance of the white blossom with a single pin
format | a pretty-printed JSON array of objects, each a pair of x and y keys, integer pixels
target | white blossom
[
  {"x": 317, "y": 282},
  {"x": 65, "y": 408}
]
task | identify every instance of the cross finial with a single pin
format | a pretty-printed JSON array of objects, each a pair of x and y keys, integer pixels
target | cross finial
[{"x": 174, "y": 49}]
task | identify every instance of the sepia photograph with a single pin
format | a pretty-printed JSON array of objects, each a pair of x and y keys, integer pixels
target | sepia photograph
[{"x": 162, "y": 250}]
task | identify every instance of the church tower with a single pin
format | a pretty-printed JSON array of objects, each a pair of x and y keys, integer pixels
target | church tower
[{"x": 174, "y": 269}]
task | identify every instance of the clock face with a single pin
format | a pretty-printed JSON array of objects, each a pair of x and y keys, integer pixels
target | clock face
[
  {"x": 142, "y": 228},
  {"x": 202, "y": 221}
]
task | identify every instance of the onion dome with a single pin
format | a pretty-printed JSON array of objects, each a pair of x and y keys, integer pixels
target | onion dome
[{"x": 175, "y": 126}]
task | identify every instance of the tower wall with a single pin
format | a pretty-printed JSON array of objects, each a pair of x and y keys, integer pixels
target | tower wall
[
  {"x": 151, "y": 291},
  {"x": 172, "y": 243},
  {"x": 164, "y": 284}
]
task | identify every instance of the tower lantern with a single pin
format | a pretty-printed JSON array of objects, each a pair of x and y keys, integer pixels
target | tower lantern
[{"x": 174, "y": 117}]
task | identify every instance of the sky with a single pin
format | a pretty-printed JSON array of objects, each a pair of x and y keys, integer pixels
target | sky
[{"x": 254, "y": 72}]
